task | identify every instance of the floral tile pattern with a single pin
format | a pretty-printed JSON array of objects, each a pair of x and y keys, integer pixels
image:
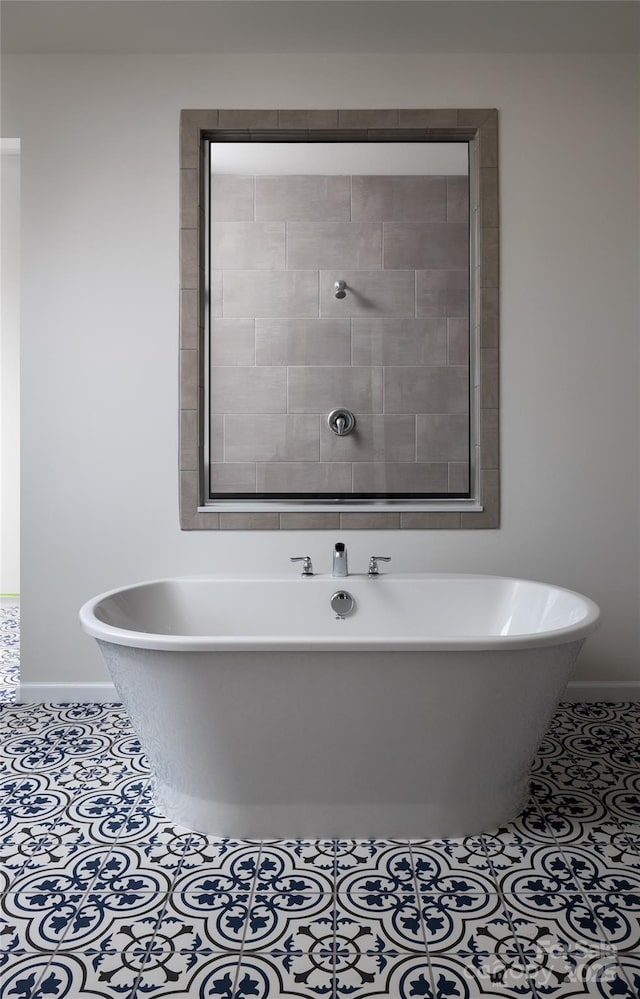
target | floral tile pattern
[
  {"x": 102, "y": 896},
  {"x": 9, "y": 651}
]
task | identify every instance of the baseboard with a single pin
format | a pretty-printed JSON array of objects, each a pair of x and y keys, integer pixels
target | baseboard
[
  {"x": 105, "y": 693},
  {"x": 602, "y": 690},
  {"x": 64, "y": 693}
]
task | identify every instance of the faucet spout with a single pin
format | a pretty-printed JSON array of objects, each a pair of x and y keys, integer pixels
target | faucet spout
[{"x": 340, "y": 565}]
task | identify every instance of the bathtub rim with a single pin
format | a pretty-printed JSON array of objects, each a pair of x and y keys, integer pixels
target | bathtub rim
[{"x": 98, "y": 629}]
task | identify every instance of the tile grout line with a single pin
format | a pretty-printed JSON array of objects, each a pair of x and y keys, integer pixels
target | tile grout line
[
  {"x": 88, "y": 890},
  {"x": 507, "y": 913},
  {"x": 84, "y": 896},
  {"x": 40, "y": 736},
  {"x": 266, "y": 954},
  {"x": 161, "y": 916},
  {"x": 252, "y": 894},
  {"x": 583, "y": 891},
  {"x": 423, "y": 927},
  {"x": 83, "y": 893}
]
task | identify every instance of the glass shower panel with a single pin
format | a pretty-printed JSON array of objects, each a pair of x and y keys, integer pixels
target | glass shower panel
[{"x": 338, "y": 333}]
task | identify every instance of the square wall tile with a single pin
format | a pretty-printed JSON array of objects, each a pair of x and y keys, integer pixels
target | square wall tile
[
  {"x": 303, "y": 197},
  {"x": 489, "y": 213},
  {"x": 271, "y": 438},
  {"x": 232, "y": 477},
  {"x": 189, "y": 458},
  {"x": 375, "y": 438},
  {"x": 189, "y": 189},
  {"x": 418, "y": 521},
  {"x": 400, "y": 477},
  {"x": 489, "y": 309},
  {"x": 248, "y": 245},
  {"x": 489, "y": 439},
  {"x": 425, "y": 245},
  {"x": 489, "y": 257},
  {"x": 249, "y": 521},
  {"x": 216, "y": 439},
  {"x": 303, "y": 341},
  {"x": 369, "y": 293},
  {"x": 442, "y": 292},
  {"x": 458, "y": 476},
  {"x": 428, "y": 117},
  {"x": 308, "y": 119},
  {"x": 310, "y": 521},
  {"x": 189, "y": 317},
  {"x": 398, "y": 199},
  {"x": 488, "y": 147},
  {"x": 189, "y": 379},
  {"x": 426, "y": 389},
  {"x": 189, "y": 490},
  {"x": 366, "y": 118},
  {"x": 254, "y": 294},
  {"x": 458, "y": 340},
  {"x": 370, "y": 521},
  {"x": 442, "y": 437},
  {"x": 248, "y": 390},
  {"x": 354, "y": 245},
  {"x": 189, "y": 259},
  {"x": 457, "y": 199},
  {"x": 232, "y": 198},
  {"x": 399, "y": 341},
  {"x": 304, "y": 477},
  {"x": 233, "y": 342},
  {"x": 244, "y": 118},
  {"x": 490, "y": 384},
  {"x": 189, "y": 428},
  {"x": 319, "y": 390}
]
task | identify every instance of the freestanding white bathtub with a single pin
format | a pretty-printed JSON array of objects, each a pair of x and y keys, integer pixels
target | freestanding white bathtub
[{"x": 266, "y": 716}]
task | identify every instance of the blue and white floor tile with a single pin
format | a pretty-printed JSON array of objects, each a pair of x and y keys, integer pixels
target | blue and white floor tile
[
  {"x": 9, "y": 650},
  {"x": 102, "y": 896}
]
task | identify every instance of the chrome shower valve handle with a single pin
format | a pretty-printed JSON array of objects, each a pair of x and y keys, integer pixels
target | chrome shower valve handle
[
  {"x": 341, "y": 421},
  {"x": 307, "y": 568},
  {"x": 373, "y": 563}
]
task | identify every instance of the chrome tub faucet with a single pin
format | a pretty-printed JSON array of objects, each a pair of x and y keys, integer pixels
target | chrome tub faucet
[{"x": 340, "y": 564}]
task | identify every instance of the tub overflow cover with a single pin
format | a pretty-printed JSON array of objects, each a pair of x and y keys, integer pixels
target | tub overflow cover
[{"x": 342, "y": 603}]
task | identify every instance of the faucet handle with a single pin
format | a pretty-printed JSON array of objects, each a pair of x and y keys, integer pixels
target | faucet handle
[
  {"x": 307, "y": 568},
  {"x": 373, "y": 563}
]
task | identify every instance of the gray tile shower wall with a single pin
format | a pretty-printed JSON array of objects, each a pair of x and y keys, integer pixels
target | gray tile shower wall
[{"x": 285, "y": 350}]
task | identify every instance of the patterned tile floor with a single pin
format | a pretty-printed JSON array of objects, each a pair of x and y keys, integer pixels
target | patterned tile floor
[
  {"x": 9, "y": 649},
  {"x": 101, "y": 896}
]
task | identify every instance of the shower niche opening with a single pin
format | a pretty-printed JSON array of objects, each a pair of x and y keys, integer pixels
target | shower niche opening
[{"x": 338, "y": 336}]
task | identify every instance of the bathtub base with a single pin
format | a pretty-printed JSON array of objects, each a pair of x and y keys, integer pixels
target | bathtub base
[
  {"x": 340, "y": 745},
  {"x": 357, "y": 820}
]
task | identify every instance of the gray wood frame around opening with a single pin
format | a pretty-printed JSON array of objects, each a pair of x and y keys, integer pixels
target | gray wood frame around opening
[{"x": 478, "y": 126}]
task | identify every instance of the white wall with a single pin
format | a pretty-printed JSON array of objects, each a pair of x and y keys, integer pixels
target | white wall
[
  {"x": 99, "y": 314},
  {"x": 10, "y": 366}
]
